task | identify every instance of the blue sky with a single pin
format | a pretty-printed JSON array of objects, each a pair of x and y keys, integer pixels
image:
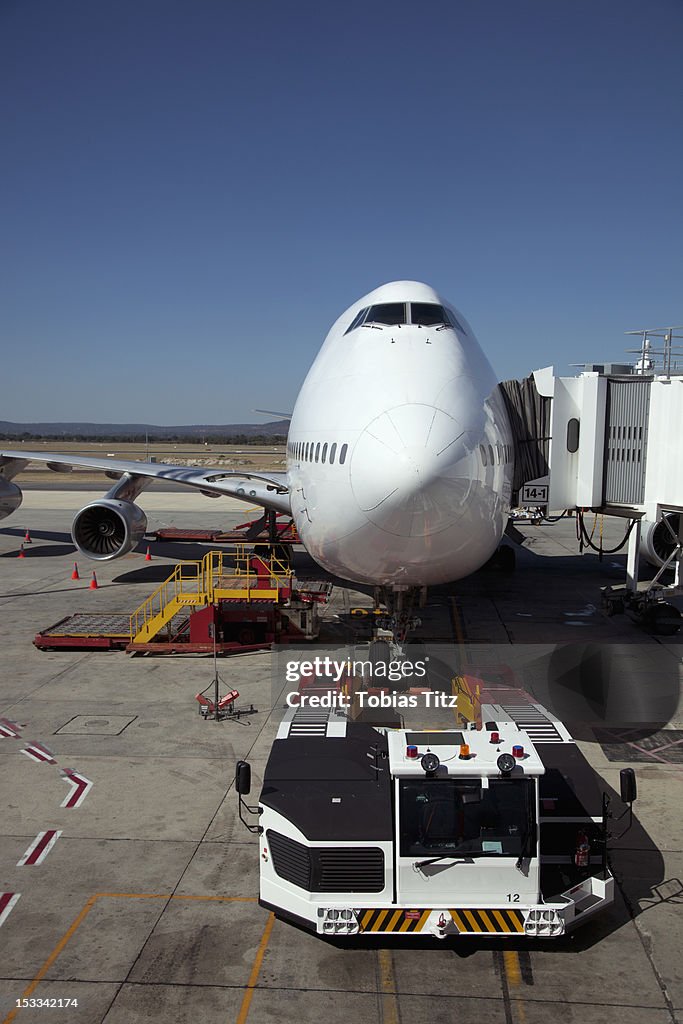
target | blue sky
[{"x": 194, "y": 191}]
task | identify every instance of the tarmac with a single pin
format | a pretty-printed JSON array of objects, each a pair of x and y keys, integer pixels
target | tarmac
[{"x": 137, "y": 884}]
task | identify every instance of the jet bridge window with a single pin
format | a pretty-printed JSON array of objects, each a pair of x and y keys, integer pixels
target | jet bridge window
[
  {"x": 458, "y": 817},
  {"x": 389, "y": 313}
]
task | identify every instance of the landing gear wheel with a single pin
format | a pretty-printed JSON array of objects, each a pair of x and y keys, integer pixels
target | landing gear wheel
[
  {"x": 507, "y": 559},
  {"x": 379, "y": 653}
]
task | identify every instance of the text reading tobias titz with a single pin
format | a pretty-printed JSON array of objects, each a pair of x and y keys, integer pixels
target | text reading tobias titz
[{"x": 372, "y": 700}]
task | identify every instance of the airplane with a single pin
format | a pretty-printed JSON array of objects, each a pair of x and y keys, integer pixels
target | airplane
[{"x": 399, "y": 453}]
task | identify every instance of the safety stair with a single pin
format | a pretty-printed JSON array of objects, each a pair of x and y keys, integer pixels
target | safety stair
[{"x": 220, "y": 576}]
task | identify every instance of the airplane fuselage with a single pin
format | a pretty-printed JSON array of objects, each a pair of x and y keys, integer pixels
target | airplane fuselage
[
  {"x": 399, "y": 450},
  {"x": 399, "y": 455}
]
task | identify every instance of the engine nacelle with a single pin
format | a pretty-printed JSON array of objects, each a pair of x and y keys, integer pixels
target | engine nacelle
[
  {"x": 656, "y": 542},
  {"x": 108, "y": 528},
  {"x": 10, "y": 498}
]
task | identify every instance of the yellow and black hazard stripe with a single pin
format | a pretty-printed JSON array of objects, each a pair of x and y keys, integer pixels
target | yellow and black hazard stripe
[
  {"x": 393, "y": 920},
  {"x": 488, "y": 922}
]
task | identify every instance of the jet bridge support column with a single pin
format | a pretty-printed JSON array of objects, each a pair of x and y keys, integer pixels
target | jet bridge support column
[
  {"x": 645, "y": 602},
  {"x": 633, "y": 558}
]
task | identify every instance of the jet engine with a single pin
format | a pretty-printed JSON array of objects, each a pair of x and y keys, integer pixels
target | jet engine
[
  {"x": 108, "y": 528},
  {"x": 10, "y": 498},
  {"x": 657, "y": 540}
]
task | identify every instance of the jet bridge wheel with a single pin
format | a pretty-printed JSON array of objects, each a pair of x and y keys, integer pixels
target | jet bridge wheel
[{"x": 662, "y": 619}]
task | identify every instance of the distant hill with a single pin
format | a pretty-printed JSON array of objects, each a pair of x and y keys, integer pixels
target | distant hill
[{"x": 138, "y": 431}]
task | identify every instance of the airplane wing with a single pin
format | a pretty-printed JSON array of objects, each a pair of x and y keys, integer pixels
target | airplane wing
[{"x": 271, "y": 490}]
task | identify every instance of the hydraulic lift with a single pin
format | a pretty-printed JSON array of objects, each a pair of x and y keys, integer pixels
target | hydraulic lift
[{"x": 226, "y": 603}]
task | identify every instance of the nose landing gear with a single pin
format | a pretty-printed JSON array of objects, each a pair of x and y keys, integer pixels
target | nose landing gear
[{"x": 397, "y": 617}]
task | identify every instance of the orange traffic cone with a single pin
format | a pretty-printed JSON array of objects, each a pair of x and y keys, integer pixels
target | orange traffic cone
[
  {"x": 148, "y": 557},
  {"x": 22, "y": 553},
  {"x": 27, "y": 538},
  {"x": 93, "y": 583},
  {"x": 74, "y": 574}
]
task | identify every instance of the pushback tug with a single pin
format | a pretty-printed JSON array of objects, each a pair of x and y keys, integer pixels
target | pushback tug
[{"x": 475, "y": 832}]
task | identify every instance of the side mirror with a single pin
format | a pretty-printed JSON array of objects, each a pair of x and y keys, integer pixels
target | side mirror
[
  {"x": 627, "y": 781},
  {"x": 243, "y": 777}
]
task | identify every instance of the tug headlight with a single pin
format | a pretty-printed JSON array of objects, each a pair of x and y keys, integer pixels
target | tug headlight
[
  {"x": 505, "y": 763},
  {"x": 336, "y": 921},
  {"x": 544, "y": 923},
  {"x": 430, "y": 762}
]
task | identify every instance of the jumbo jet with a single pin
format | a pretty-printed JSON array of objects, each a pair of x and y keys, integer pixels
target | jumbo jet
[{"x": 399, "y": 454}]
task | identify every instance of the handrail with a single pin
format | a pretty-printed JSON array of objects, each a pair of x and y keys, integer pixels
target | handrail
[
  {"x": 184, "y": 573},
  {"x": 196, "y": 582}
]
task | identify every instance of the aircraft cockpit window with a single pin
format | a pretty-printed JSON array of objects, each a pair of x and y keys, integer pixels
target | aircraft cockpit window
[
  {"x": 357, "y": 320},
  {"x": 426, "y": 314},
  {"x": 455, "y": 322},
  {"x": 390, "y": 313}
]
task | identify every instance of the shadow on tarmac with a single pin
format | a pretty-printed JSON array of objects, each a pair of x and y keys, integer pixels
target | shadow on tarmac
[{"x": 31, "y": 551}]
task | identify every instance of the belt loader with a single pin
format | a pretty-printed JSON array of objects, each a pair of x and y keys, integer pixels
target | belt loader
[{"x": 496, "y": 831}]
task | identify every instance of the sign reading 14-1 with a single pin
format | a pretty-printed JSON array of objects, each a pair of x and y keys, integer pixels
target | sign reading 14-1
[{"x": 534, "y": 494}]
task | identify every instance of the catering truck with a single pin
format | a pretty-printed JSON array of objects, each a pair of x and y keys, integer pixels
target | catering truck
[{"x": 500, "y": 830}]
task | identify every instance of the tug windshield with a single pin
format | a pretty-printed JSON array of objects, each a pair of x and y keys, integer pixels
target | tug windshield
[{"x": 459, "y": 817}]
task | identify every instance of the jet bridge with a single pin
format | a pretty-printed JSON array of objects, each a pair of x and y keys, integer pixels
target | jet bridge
[{"x": 610, "y": 440}]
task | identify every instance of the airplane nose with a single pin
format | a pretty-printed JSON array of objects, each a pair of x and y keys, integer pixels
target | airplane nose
[{"x": 404, "y": 470}]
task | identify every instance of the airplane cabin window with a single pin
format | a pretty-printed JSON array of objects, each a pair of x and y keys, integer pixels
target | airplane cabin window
[
  {"x": 389, "y": 313},
  {"x": 491, "y": 458},
  {"x": 306, "y": 453},
  {"x": 324, "y": 458},
  {"x": 483, "y": 454},
  {"x": 426, "y": 314},
  {"x": 333, "y": 452},
  {"x": 342, "y": 454},
  {"x": 317, "y": 452}
]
